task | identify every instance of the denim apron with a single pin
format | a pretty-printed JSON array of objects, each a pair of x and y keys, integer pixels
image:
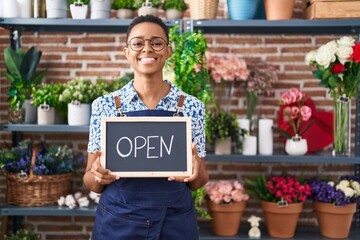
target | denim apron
[{"x": 146, "y": 208}]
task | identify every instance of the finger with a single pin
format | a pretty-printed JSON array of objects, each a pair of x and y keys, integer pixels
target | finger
[{"x": 97, "y": 153}]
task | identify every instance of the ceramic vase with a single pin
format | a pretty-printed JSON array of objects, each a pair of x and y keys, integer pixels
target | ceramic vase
[
  {"x": 78, "y": 11},
  {"x": 342, "y": 126},
  {"x": 78, "y": 114},
  {"x": 100, "y": 9},
  {"x": 281, "y": 219},
  {"x": 56, "y": 8},
  {"x": 296, "y": 146},
  {"x": 334, "y": 221},
  {"x": 46, "y": 115},
  {"x": 30, "y": 112},
  {"x": 223, "y": 147},
  {"x": 226, "y": 218}
]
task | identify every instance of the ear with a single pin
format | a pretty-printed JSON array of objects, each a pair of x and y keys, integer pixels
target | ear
[
  {"x": 168, "y": 51},
  {"x": 126, "y": 52}
]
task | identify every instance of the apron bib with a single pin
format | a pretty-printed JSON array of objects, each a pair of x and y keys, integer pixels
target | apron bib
[{"x": 146, "y": 208}]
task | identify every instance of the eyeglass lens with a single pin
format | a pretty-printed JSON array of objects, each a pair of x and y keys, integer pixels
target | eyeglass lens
[{"x": 137, "y": 44}]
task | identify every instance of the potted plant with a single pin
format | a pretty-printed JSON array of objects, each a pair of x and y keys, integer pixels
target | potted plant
[
  {"x": 226, "y": 201},
  {"x": 147, "y": 7},
  {"x": 222, "y": 129},
  {"x": 23, "y": 234},
  {"x": 282, "y": 200},
  {"x": 79, "y": 8},
  {"x": 33, "y": 168},
  {"x": 21, "y": 72},
  {"x": 78, "y": 95},
  {"x": 334, "y": 203},
  {"x": 46, "y": 98},
  {"x": 174, "y": 9},
  {"x": 100, "y": 9},
  {"x": 124, "y": 8}
]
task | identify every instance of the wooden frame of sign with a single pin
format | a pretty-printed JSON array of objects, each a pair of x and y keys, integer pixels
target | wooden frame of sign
[{"x": 146, "y": 146}]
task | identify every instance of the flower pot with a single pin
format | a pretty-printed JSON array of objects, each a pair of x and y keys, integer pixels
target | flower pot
[
  {"x": 223, "y": 146},
  {"x": 124, "y": 13},
  {"x": 249, "y": 145},
  {"x": 78, "y": 114},
  {"x": 100, "y": 9},
  {"x": 78, "y": 11},
  {"x": 279, "y": 9},
  {"x": 342, "y": 126},
  {"x": 46, "y": 115},
  {"x": 10, "y": 9},
  {"x": 241, "y": 10},
  {"x": 30, "y": 112},
  {"x": 56, "y": 8},
  {"x": 173, "y": 14},
  {"x": 16, "y": 115},
  {"x": 281, "y": 220},
  {"x": 296, "y": 146},
  {"x": 334, "y": 221},
  {"x": 147, "y": 9},
  {"x": 226, "y": 218}
]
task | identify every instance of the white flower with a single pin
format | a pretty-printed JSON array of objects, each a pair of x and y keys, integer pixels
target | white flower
[
  {"x": 331, "y": 47},
  {"x": 349, "y": 192},
  {"x": 346, "y": 41},
  {"x": 331, "y": 183},
  {"x": 344, "y": 52},
  {"x": 326, "y": 55},
  {"x": 310, "y": 57},
  {"x": 344, "y": 183}
]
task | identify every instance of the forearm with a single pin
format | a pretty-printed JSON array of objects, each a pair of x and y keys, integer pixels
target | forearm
[{"x": 202, "y": 177}]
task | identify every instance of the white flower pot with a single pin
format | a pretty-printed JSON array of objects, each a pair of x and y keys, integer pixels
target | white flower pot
[
  {"x": 100, "y": 9},
  {"x": 173, "y": 14},
  {"x": 223, "y": 147},
  {"x": 249, "y": 146},
  {"x": 25, "y": 8},
  {"x": 124, "y": 13},
  {"x": 30, "y": 112},
  {"x": 10, "y": 9},
  {"x": 46, "y": 115},
  {"x": 296, "y": 146},
  {"x": 56, "y": 8},
  {"x": 147, "y": 10},
  {"x": 78, "y": 11},
  {"x": 78, "y": 114}
]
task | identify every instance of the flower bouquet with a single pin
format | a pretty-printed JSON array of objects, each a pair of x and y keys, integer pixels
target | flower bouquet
[
  {"x": 338, "y": 69},
  {"x": 282, "y": 201},
  {"x": 225, "y": 201},
  {"x": 38, "y": 175},
  {"x": 335, "y": 204}
]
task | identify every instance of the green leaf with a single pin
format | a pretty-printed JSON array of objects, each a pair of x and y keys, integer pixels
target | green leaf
[
  {"x": 29, "y": 64},
  {"x": 12, "y": 63}
]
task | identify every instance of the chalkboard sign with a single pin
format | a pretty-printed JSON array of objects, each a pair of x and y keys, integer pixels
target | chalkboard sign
[{"x": 147, "y": 146}]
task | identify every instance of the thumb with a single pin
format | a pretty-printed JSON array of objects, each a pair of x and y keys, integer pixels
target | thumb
[
  {"x": 193, "y": 147},
  {"x": 97, "y": 153}
]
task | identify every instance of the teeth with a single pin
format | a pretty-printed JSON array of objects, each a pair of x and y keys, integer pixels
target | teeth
[{"x": 147, "y": 59}]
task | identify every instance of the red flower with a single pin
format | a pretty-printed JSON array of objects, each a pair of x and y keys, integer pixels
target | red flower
[
  {"x": 338, "y": 68},
  {"x": 356, "y": 53}
]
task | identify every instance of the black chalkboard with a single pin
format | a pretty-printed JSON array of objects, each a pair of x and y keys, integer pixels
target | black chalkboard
[{"x": 146, "y": 146}]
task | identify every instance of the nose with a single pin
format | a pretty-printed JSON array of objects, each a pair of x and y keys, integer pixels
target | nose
[{"x": 147, "y": 46}]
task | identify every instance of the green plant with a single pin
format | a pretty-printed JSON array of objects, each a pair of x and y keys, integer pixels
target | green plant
[
  {"x": 22, "y": 234},
  {"x": 188, "y": 62},
  {"x": 221, "y": 125},
  {"x": 83, "y": 91},
  {"x": 47, "y": 93},
  {"x": 116, "y": 84},
  {"x": 138, "y": 3},
  {"x": 120, "y": 4},
  {"x": 199, "y": 196},
  {"x": 174, "y": 4},
  {"x": 21, "y": 72},
  {"x": 85, "y": 2}
]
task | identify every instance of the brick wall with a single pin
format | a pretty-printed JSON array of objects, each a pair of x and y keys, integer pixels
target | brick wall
[{"x": 90, "y": 55}]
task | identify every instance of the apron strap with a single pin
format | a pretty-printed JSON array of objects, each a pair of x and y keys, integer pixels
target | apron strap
[
  {"x": 179, "y": 105},
  {"x": 118, "y": 106}
]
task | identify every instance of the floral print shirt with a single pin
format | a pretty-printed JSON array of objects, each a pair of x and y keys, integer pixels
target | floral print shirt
[{"x": 104, "y": 106}]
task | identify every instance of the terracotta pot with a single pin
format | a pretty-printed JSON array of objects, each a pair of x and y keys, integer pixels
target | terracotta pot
[
  {"x": 279, "y": 9},
  {"x": 226, "y": 218},
  {"x": 281, "y": 221},
  {"x": 334, "y": 221}
]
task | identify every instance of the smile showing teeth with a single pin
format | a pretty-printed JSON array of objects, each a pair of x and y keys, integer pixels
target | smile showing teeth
[{"x": 146, "y": 60}]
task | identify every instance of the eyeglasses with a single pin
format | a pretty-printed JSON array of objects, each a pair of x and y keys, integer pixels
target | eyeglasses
[{"x": 137, "y": 43}]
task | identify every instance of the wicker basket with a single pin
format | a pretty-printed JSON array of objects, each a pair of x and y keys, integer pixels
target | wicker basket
[
  {"x": 33, "y": 190},
  {"x": 203, "y": 9}
]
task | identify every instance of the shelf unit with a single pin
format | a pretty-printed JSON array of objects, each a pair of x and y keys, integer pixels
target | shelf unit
[{"x": 300, "y": 27}]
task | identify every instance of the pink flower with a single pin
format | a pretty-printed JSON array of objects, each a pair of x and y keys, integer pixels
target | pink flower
[
  {"x": 225, "y": 192},
  {"x": 305, "y": 113}
]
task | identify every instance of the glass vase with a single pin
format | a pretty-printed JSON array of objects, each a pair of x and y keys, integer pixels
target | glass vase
[{"x": 342, "y": 126}]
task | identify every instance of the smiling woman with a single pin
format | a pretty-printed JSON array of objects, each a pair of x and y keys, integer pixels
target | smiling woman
[{"x": 147, "y": 95}]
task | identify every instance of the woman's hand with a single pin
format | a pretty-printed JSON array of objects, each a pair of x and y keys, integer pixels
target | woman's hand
[
  {"x": 199, "y": 174},
  {"x": 96, "y": 176}
]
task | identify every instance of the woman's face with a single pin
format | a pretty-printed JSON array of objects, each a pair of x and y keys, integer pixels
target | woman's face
[{"x": 147, "y": 60}]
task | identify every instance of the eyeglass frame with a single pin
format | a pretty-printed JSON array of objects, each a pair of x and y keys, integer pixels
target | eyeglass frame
[{"x": 150, "y": 40}]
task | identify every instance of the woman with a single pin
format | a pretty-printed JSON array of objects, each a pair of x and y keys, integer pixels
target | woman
[{"x": 146, "y": 208}]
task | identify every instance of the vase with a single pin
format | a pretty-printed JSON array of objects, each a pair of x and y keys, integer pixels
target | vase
[
  {"x": 249, "y": 145},
  {"x": 78, "y": 11},
  {"x": 279, "y": 9},
  {"x": 226, "y": 218},
  {"x": 56, "y": 8},
  {"x": 265, "y": 137},
  {"x": 342, "y": 126},
  {"x": 241, "y": 10},
  {"x": 46, "y": 115},
  {"x": 100, "y": 9},
  {"x": 334, "y": 221},
  {"x": 78, "y": 114},
  {"x": 281, "y": 219},
  {"x": 17, "y": 115},
  {"x": 30, "y": 112},
  {"x": 223, "y": 147},
  {"x": 296, "y": 146}
]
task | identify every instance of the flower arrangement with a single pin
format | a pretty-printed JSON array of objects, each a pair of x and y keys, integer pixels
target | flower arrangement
[
  {"x": 295, "y": 111},
  {"x": 83, "y": 91},
  {"x": 50, "y": 160},
  {"x": 225, "y": 192},
  {"x": 341, "y": 192},
  {"x": 278, "y": 188},
  {"x": 338, "y": 66}
]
